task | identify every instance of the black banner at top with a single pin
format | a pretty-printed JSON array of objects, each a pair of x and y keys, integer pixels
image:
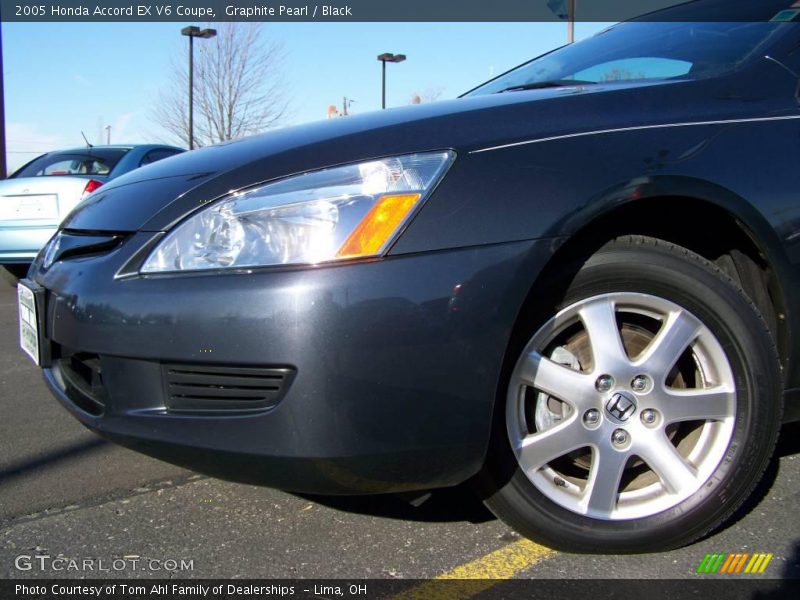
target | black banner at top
[{"x": 397, "y": 10}]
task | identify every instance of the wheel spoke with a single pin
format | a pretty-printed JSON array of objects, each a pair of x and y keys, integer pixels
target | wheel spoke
[
  {"x": 600, "y": 320},
  {"x": 715, "y": 404},
  {"x": 602, "y": 486},
  {"x": 555, "y": 379},
  {"x": 673, "y": 470},
  {"x": 678, "y": 331},
  {"x": 538, "y": 449}
]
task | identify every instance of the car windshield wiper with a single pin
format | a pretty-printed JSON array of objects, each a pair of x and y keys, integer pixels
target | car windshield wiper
[{"x": 553, "y": 83}]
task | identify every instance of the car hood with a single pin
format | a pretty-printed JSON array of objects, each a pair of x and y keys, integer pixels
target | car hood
[{"x": 154, "y": 197}]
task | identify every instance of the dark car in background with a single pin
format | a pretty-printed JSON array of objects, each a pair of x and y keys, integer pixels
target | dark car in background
[
  {"x": 576, "y": 286},
  {"x": 37, "y": 196}
]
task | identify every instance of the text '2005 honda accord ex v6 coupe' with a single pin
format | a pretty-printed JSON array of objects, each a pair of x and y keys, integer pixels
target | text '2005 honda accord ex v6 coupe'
[{"x": 573, "y": 286}]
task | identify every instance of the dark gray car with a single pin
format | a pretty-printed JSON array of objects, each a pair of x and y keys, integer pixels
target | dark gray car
[{"x": 576, "y": 287}]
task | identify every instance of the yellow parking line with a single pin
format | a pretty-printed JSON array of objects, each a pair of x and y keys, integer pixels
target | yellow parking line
[
  {"x": 480, "y": 574},
  {"x": 501, "y": 564}
]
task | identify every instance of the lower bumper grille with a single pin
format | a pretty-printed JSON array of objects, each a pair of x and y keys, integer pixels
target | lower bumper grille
[{"x": 224, "y": 389}]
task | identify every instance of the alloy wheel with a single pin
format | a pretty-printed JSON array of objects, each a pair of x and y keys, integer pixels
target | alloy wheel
[{"x": 621, "y": 406}]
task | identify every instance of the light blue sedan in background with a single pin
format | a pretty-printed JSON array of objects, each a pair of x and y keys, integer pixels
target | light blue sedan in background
[{"x": 36, "y": 197}]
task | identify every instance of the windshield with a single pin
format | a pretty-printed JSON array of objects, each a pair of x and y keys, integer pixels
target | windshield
[
  {"x": 641, "y": 52},
  {"x": 97, "y": 162}
]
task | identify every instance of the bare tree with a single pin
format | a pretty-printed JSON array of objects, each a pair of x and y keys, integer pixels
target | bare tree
[
  {"x": 238, "y": 87},
  {"x": 430, "y": 94}
]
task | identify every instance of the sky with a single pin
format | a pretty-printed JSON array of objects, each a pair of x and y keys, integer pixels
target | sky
[{"x": 65, "y": 78}]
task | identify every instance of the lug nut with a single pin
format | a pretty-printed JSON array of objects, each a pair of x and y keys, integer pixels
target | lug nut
[
  {"x": 591, "y": 417},
  {"x": 619, "y": 437},
  {"x": 649, "y": 416},
  {"x": 640, "y": 383},
  {"x": 604, "y": 383}
]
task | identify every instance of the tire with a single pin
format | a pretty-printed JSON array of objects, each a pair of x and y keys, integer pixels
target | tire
[{"x": 666, "y": 448}]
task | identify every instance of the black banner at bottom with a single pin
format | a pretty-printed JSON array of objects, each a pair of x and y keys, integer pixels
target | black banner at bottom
[{"x": 406, "y": 589}]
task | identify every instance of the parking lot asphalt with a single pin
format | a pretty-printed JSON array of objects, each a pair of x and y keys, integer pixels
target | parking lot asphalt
[{"x": 66, "y": 493}]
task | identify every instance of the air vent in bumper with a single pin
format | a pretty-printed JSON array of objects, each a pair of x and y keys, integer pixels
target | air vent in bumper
[{"x": 205, "y": 389}]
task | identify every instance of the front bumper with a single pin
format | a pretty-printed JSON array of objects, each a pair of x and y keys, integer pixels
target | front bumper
[{"x": 396, "y": 362}]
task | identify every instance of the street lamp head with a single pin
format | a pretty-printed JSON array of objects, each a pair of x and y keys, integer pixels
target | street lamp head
[
  {"x": 393, "y": 58},
  {"x": 194, "y": 31}
]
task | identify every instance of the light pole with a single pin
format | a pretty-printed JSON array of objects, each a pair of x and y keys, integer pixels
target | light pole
[
  {"x": 192, "y": 32},
  {"x": 384, "y": 58},
  {"x": 3, "y": 163}
]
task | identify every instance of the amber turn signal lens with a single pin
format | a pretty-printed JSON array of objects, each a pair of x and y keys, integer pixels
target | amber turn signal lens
[{"x": 378, "y": 226}]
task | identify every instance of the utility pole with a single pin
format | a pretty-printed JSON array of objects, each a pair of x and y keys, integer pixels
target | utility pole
[
  {"x": 108, "y": 134},
  {"x": 564, "y": 10},
  {"x": 346, "y": 102},
  {"x": 571, "y": 22}
]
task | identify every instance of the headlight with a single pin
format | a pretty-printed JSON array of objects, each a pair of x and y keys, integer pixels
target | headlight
[{"x": 346, "y": 212}]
